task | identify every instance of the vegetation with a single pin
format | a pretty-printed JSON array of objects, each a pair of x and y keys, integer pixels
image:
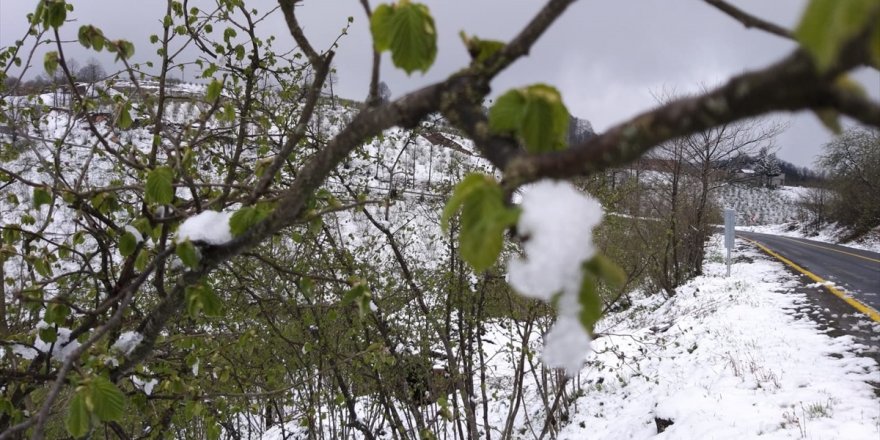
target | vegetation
[{"x": 315, "y": 291}]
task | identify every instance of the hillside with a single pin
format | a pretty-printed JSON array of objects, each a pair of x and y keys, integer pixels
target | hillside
[{"x": 364, "y": 318}]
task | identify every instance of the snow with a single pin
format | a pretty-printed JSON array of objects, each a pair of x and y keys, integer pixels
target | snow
[
  {"x": 134, "y": 232},
  {"x": 61, "y": 348},
  {"x": 725, "y": 358},
  {"x": 145, "y": 385},
  {"x": 209, "y": 227},
  {"x": 127, "y": 342},
  {"x": 558, "y": 221}
]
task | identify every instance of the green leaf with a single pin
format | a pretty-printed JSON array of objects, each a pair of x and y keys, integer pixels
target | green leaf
[
  {"x": 360, "y": 295},
  {"x": 480, "y": 50},
  {"x": 91, "y": 37},
  {"x": 56, "y": 314},
  {"x": 606, "y": 270},
  {"x": 214, "y": 89},
  {"x": 107, "y": 401},
  {"x": 124, "y": 120},
  {"x": 127, "y": 244},
  {"x": 484, "y": 218},
  {"x": 41, "y": 197},
  {"x": 407, "y": 30},
  {"x": 142, "y": 260},
  {"x": 160, "y": 188},
  {"x": 50, "y": 62},
  {"x": 188, "y": 254},
  {"x": 536, "y": 115},
  {"x": 244, "y": 218},
  {"x": 77, "y": 421},
  {"x": 591, "y": 303},
  {"x": 201, "y": 298},
  {"x": 56, "y": 13},
  {"x": 827, "y": 25},
  {"x": 48, "y": 334}
]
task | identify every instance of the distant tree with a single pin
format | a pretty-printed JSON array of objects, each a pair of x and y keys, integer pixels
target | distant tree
[
  {"x": 91, "y": 72},
  {"x": 767, "y": 165},
  {"x": 852, "y": 162}
]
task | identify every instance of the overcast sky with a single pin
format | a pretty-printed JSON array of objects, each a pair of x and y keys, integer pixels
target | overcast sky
[{"x": 609, "y": 58}]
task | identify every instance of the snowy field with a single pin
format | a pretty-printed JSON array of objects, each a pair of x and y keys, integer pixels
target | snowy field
[{"x": 726, "y": 359}]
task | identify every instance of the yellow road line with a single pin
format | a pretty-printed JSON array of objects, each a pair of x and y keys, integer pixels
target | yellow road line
[
  {"x": 830, "y": 249},
  {"x": 858, "y": 305}
]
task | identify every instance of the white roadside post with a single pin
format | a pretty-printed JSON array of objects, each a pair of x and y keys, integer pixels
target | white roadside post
[{"x": 729, "y": 226}]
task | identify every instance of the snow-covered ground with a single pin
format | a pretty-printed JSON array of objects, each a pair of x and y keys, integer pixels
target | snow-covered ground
[{"x": 725, "y": 358}]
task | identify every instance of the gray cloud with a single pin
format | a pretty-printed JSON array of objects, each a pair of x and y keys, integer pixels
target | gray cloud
[{"x": 608, "y": 58}]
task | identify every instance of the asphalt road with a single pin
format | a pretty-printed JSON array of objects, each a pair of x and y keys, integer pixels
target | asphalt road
[{"x": 855, "y": 271}]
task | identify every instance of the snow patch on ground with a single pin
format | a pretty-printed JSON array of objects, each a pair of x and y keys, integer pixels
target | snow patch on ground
[{"x": 724, "y": 358}]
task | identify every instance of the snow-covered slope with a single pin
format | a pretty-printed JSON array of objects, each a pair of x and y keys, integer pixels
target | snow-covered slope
[{"x": 763, "y": 206}]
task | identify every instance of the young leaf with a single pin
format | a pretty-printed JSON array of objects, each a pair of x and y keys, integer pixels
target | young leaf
[
  {"x": 484, "y": 218},
  {"x": 201, "y": 298},
  {"x": 124, "y": 121},
  {"x": 214, "y": 89},
  {"x": 407, "y": 30},
  {"x": 77, "y": 421},
  {"x": 536, "y": 115},
  {"x": 50, "y": 62},
  {"x": 606, "y": 270},
  {"x": 107, "y": 401},
  {"x": 160, "y": 188},
  {"x": 244, "y": 218},
  {"x": 127, "y": 244},
  {"x": 188, "y": 254},
  {"x": 56, "y": 314},
  {"x": 591, "y": 303},
  {"x": 480, "y": 50},
  {"x": 828, "y": 24},
  {"x": 41, "y": 197}
]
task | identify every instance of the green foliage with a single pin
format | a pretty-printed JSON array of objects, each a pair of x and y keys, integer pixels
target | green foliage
[
  {"x": 407, "y": 30},
  {"x": 91, "y": 37},
  {"x": 214, "y": 89},
  {"x": 535, "y": 114},
  {"x": 188, "y": 254},
  {"x": 123, "y": 49},
  {"x": 827, "y": 25},
  {"x": 56, "y": 313},
  {"x": 484, "y": 218},
  {"x": 360, "y": 295},
  {"x": 50, "y": 62},
  {"x": 96, "y": 398},
  {"x": 244, "y": 218},
  {"x": 105, "y": 400},
  {"x": 77, "y": 421},
  {"x": 41, "y": 197},
  {"x": 51, "y": 13},
  {"x": 160, "y": 187},
  {"x": 201, "y": 298},
  {"x": 124, "y": 120},
  {"x": 480, "y": 50},
  {"x": 598, "y": 269},
  {"x": 127, "y": 244}
]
